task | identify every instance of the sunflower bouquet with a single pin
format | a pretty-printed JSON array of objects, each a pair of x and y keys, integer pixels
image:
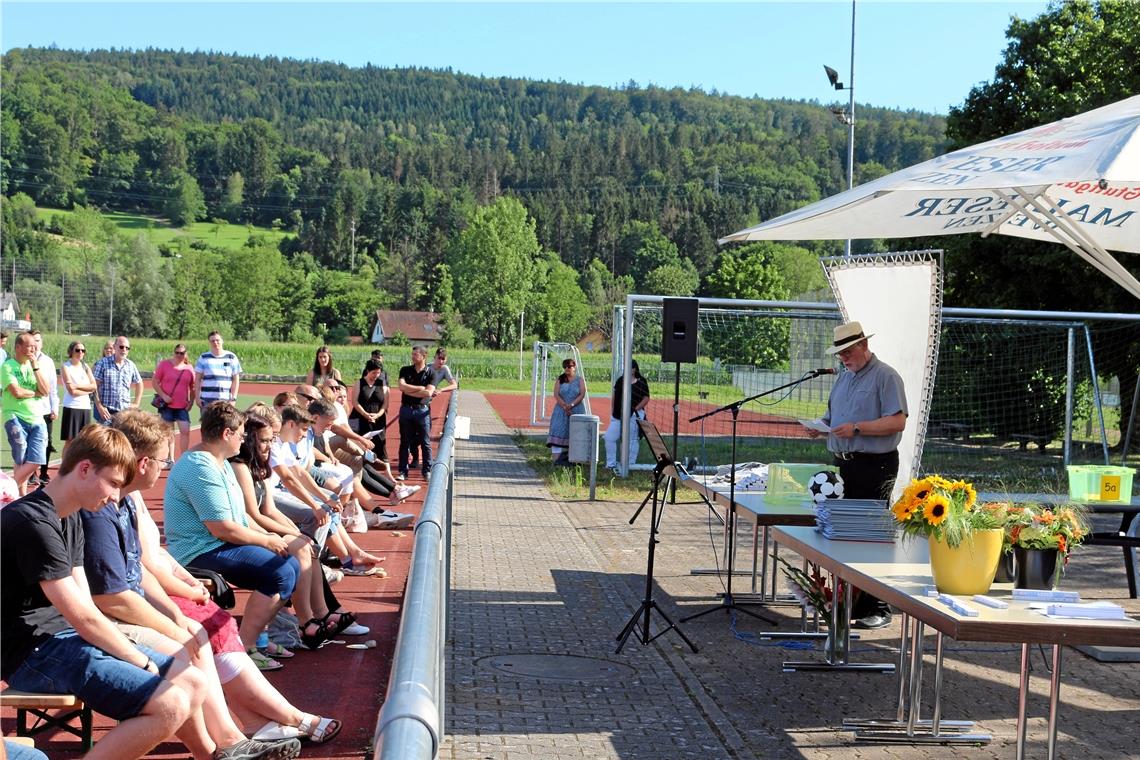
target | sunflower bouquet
[{"x": 944, "y": 509}]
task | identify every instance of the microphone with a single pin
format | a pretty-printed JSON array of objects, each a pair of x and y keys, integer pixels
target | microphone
[{"x": 822, "y": 371}]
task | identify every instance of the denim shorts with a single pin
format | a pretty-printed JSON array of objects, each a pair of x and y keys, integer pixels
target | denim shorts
[
  {"x": 28, "y": 441},
  {"x": 174, "y": 415},
  {"x": 252, "y": 567},
  {"x": 66, "y": 664}
]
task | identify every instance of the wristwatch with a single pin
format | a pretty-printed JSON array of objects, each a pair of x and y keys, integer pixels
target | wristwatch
[{"x": 856, "y": 429}]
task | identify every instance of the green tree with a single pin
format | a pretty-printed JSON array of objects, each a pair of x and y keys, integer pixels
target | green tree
[
  {"x": 186, "y": 203},
  {"x": 1066, "y": 61},
  {"x": 494, "y": 258},
  {"x": 565, "y": 314},
  {"x": 748, "y": 272},
  {"x": 142, "y": 289},
  {"x": 679, "y": 279},
  {"x": 233, "y": 202}
]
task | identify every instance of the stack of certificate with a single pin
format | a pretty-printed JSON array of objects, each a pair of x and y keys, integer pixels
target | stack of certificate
[{"x": 855, "y": 520}]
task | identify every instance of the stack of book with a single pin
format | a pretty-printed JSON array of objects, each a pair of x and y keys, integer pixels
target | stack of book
[{"x": 855, "y": 520}]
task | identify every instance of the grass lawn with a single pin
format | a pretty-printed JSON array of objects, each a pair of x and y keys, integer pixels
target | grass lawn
[{"x": 159, "y": 231}]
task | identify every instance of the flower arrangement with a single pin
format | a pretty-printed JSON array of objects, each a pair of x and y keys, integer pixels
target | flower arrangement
[
  {"x": 810, "y": 590},
  {"x": 1035, "y": 527},
  {"x": 944, "y": 509}
]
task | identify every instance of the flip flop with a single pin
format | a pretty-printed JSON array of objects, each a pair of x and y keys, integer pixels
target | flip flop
[
  {"x": 277, "y": 652},
  {"x": 264, "y": 662}
]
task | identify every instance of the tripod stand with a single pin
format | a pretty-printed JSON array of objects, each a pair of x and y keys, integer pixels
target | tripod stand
[
  {"x": 640, "y": 618},
  {"x": 728, "y": 602}
]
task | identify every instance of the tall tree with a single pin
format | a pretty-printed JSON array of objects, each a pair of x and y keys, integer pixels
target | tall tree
[
  {"x": 1074, "y": 57},
  {"x": 494, "y": 259}
]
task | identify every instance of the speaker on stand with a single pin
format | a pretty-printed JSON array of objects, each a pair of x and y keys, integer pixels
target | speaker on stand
[{"x": 678, "y": 344}]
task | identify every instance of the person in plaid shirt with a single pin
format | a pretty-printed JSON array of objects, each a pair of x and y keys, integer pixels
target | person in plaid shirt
[{"x": 118, "y": 382}]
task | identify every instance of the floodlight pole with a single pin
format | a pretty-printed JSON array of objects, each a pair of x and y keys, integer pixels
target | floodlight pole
[{"x": 851, "y": 121}]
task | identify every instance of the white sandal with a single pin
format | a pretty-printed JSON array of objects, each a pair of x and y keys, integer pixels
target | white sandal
[{"x": 319, "y": 730}]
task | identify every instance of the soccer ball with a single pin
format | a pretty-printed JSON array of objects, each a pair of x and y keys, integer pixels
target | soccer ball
[{"x": 825, "y": 485}]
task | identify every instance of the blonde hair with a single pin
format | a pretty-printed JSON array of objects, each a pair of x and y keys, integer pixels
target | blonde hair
[{"x": 148, "y": 433}]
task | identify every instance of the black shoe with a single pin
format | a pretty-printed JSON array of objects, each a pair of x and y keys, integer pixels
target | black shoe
[
  {"x": 45, "y": 479},
  {"x": 33, "y": 480},
  {"x": 877, "y": 619}
]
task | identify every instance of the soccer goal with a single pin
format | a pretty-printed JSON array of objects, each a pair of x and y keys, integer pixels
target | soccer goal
[{"x": 1017, "y": 396}]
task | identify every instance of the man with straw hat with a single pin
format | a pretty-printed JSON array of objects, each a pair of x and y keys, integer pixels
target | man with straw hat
[{"x": 866, "y": 412}]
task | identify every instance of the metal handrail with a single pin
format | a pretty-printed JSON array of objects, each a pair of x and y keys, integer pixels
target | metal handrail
[{"x": 411, "y": 721}]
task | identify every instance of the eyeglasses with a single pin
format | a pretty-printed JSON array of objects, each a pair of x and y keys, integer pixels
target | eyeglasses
[
  {"x": 80, "y": 350},
  {"x": 163, "y": 464},
  {"x": 179, "y": 353},
  {"x": 124, "y": 348}
]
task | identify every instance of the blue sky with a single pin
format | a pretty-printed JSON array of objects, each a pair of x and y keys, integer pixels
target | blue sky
[{"x": 923, "y": 55}]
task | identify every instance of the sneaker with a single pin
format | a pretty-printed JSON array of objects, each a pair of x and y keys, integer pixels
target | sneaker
[
  {"x": 251, "y": 749},
  {"x": 402, "y": 493},
  {"x": 402, "y": 476},
  {"x": 389, "y": 520},
  {"x": 332, "y": 575},
  {"x": 34, "y": 480},
  {"x": 415, "y": 463},
  {"x": 356, "y": 629},
  {"x": 877, "y": 619},
  {"x": 45, "y": 479}
]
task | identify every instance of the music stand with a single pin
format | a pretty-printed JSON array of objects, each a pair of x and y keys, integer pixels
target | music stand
[{"x": 664, "y": 468}]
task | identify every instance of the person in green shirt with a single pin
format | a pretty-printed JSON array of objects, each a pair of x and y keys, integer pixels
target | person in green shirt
[{"x": 23, "y": 386}]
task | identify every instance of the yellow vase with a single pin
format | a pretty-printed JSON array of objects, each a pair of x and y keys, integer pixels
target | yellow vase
[{"x": 968, "y": 568}]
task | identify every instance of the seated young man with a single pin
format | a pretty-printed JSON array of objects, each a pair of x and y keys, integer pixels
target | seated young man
[
  {"x": 53, "y": 639},
  {"x": 126, "y": 592},
  {"x": 206, "y": 523}
]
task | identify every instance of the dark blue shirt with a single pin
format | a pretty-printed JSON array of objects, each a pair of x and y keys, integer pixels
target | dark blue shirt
[{"x": 112, "y": 554}]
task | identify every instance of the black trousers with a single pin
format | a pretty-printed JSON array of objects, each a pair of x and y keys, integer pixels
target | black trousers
[{"x": 869, "y": 476}]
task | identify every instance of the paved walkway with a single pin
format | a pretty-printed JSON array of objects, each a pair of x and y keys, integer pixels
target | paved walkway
[{"x": 541, "y": 587}]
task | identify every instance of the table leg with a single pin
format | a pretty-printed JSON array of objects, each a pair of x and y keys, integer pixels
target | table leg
[
  {"x": 1022, "y": 699},
  {"x": 1054, "y": 700},
  {"x": 755, "y": 549},
  {"x": 916, "y": 677},
  {"x": 913, "y": 729}
]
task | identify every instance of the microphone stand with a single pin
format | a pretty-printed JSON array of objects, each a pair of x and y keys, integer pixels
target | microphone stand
[{"x": 728, "y": 602}]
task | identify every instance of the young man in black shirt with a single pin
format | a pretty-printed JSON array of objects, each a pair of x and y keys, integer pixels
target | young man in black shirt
[
  {"x": 416, "y": 393},
  {"x": 54, "y": 639}
]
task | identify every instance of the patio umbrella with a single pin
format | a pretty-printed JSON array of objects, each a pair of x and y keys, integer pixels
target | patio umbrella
[{"x": 1075, "y": 181}]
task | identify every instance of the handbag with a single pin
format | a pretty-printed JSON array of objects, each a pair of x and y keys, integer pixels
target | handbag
[
  {"x": 157, "y": 402},
  {"x": 221, "y": 592}
]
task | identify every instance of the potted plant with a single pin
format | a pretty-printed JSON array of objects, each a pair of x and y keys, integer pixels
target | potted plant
[
  {"x": 1007, "y": 562},
  {"x": 1042, "y": 539},
  {"x": 965, "y": 543}
]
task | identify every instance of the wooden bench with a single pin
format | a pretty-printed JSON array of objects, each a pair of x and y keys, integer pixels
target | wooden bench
[
  {"x": 42, "y": 707},
  {"x": 1024, "y": 439},
  {"x": 954, "y": 429}
]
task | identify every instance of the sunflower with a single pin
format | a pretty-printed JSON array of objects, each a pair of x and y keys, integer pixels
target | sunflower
[
  {"x": 968, "y": 494},
  {"x": 903, "y": 510},
  {"x": 917, "y": 491},
  {"x": 936, "y": 508}
]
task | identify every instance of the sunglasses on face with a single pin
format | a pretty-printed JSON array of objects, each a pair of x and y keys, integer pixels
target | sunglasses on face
[
  {"x": 179, "y": 353},
  {"x": 80, "y": 350}
]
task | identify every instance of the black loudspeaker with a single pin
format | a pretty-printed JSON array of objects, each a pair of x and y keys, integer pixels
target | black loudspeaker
[{"x": 679, "y": 330}]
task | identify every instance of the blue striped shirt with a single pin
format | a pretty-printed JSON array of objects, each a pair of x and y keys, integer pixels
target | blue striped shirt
[{"x": 218, "y": 373}]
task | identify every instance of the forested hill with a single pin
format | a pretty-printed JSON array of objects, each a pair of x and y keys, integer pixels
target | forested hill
[{"x": 399, "y": 154}]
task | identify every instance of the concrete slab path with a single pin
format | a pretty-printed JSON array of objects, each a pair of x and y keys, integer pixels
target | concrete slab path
[{"x": 541, "y": 587}]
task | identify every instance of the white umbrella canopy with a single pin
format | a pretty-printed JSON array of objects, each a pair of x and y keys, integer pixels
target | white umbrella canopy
[{"x": 1075, "y": 181}]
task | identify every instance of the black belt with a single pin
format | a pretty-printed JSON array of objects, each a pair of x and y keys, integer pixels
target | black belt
[{"x": 848, "y": 456}]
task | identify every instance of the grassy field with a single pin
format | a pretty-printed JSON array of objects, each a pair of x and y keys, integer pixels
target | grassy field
[{"x": 159, "y": 231}]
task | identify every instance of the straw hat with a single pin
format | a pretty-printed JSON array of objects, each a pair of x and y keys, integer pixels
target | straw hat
[{"x": 847, "y": 335}]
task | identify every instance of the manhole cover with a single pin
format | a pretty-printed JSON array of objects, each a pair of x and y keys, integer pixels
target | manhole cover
[{"x": 558, "y": 667}]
